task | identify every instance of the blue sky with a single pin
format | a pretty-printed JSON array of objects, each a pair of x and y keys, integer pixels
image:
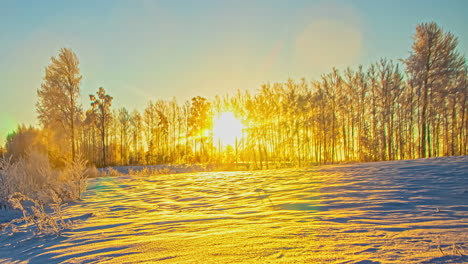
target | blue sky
[{"x": 141, "y": 50}]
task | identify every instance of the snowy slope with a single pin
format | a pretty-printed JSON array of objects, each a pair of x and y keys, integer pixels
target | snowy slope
[{"x": 384, "y": 212}]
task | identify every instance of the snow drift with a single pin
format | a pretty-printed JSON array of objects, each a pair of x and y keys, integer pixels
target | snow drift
[{"x": 399, "y": 212}]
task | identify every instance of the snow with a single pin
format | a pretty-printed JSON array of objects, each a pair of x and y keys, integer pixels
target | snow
[{"x": 384, "y": 212}]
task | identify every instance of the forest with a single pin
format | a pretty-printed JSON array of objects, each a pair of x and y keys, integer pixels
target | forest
[{"x": 416, "y": 107}]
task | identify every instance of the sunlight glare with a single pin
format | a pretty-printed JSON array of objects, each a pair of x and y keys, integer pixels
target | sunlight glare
[{"x": 227, "y": 128}]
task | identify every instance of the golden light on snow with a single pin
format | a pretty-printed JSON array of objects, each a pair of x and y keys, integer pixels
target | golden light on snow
[{"x": 227, "y": 128}]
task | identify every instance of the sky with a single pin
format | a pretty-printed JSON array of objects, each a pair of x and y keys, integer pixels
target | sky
[{"x": 145, "y": 50}]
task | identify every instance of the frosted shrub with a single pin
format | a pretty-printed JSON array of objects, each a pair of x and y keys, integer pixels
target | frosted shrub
[
  {"x": 38, "y": 177},
  {"x": 6, "y": 168},
  {"x": 32, "y": 186},
  {"x": 35, "y": 215},
  {"x": 92, "y": 172},
  {"x": 111, "y": 172},
  {"x": 166, "y": 171},
  {"x": 145, "y": 171},
  {"x": 75, "y": 179},
  {"x": 35, "y": 178}
]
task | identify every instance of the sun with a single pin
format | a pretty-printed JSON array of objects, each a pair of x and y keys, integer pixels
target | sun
[{"x": 227, "y": 128}]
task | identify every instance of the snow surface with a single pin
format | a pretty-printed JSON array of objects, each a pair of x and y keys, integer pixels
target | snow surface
[{"x": 385, "y": 212}]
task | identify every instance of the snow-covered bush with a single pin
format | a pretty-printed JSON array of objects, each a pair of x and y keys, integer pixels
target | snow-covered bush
[
  {"x": 6, "y": 168},
  {"x": 93, "y": 172},
  {"x": 33, "y": 187},
  {"x": 50, "y": 140},
  {"x": 34, "y": 177},
  {"x": 110, "y": 172},
  {"x": 35, "y": 214}
]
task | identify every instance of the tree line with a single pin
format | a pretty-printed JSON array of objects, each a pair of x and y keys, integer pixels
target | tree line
[{"x": 413, "y": 108}]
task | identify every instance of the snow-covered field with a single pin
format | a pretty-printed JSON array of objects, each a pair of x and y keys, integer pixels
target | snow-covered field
[{"x": 385, "y": 212}]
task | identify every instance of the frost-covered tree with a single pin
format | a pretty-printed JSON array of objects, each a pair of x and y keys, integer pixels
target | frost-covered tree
[
  {"x": 58, "y": 97},
  {"x": 124, "y": 127},
  {"x": 103, "y": 116},
  {"x": 136, "y": 129},
  {"x": 23, "y": 140},
  {"x": 200, "y": 121},
  {"x": 89, "y": 139},
  {"x": 149, "y": 124},
  {"x": 386, "y": 87},
  {"x": 432, "y": 63}
]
